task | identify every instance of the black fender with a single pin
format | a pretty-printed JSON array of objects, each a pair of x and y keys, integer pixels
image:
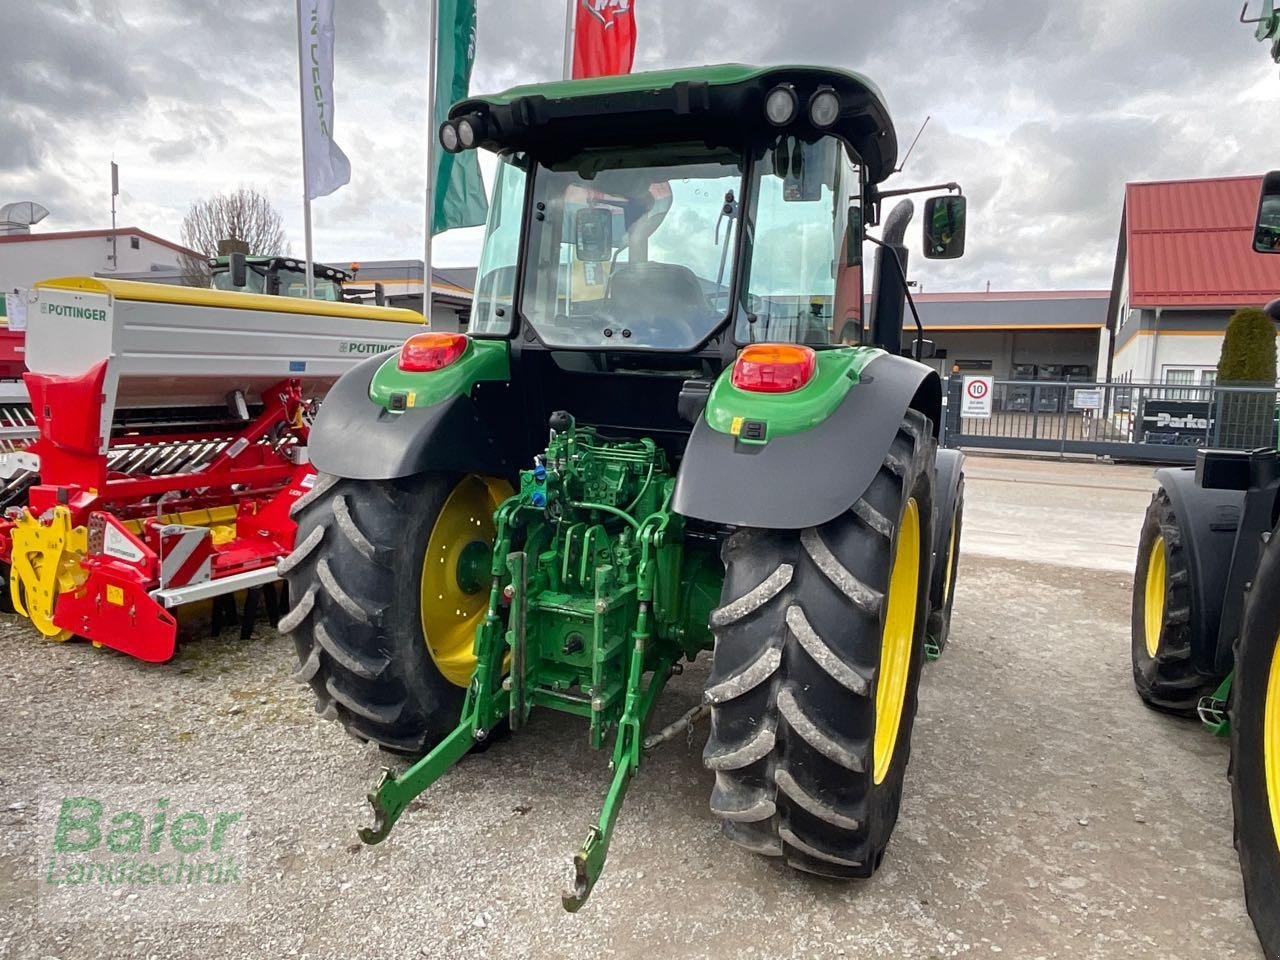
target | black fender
[
  {"x": 948, "y": 476},
  {"x": 355, "y": 438},
  {"x": 805, "y": 479},
  {"x": 1209, "y": 520}
]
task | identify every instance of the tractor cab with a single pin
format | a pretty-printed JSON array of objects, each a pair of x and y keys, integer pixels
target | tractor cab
[
  {"x": 276, "y": 276},
  {"x": 658, "y": 224}
]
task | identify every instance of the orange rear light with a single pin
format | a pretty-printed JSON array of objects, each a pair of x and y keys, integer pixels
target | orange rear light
[
  {"x": 774, "y": 367},
  {"x": 424, "y": 352}
]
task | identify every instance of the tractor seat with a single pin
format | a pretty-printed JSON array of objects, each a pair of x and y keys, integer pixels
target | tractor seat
[{"x": 656, "y": 295}]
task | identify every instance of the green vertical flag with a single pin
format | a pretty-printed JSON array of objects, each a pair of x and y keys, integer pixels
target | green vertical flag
[{"x": 459, "y": 194}]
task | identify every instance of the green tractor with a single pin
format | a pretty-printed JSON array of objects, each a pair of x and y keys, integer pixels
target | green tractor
[
  {"x": 654, "y": 440},
  {"x": 287, "y": 277},
  {"x": 1206, "y": 621}
]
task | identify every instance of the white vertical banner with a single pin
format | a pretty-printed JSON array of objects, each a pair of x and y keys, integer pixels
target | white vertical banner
[
  {"x": 432, "y": 145},
  {"x": 325, "y": 166}
]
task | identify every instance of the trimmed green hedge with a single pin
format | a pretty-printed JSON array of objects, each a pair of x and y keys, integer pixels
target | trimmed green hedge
[{"x": 1246, "y": 421}]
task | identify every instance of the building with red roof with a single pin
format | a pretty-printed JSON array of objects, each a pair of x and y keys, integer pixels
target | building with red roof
[{"x": 1184, "y": 263}]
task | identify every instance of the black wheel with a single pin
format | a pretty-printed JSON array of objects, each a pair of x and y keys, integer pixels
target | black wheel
[
  {"x": 1255, "y": 749},
  {"x": 943, "y": 582},
  {"x": 388, "y": 581},
  {"x": 1163, "y": 670},
  {"x": 819, "y": 643},
  {"x": 6, "y": 597}
]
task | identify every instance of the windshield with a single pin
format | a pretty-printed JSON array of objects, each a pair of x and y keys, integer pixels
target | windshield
[
  {"x": 221, "y": 280},
  {"x": 293, "y": 283},
  {"x": 804, "y": 233},
  {"x": 632, "y": 250}
]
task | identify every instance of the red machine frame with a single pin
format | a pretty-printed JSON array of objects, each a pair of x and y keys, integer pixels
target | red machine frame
[{"x": 125, "y": 598}]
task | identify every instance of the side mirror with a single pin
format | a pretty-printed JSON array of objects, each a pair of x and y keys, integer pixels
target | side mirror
[
  {"x": 853, "y": 237},
  {"x": 944, "y": 219},
  {"x": 593, "y": 234},
  {"x": 923, "y": 349},
  {"x": 1266, "y": 232},
  {"x": 239, "y": 270}
]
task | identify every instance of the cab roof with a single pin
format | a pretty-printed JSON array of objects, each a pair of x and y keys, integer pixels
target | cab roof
[
  {"x": 321, "y": 270},
  {"x": 722, "y": 105}
]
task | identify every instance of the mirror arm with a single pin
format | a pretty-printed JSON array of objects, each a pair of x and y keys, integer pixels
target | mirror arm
[
  {"x": 906, "y": 289},
  {"x": 951, "y": 187}
]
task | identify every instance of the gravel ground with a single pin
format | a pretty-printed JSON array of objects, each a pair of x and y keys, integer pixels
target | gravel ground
[{"x": 1048, "y": 814}]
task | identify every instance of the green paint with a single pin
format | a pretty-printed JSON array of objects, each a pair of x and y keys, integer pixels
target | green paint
[
  {"x": 474, "y": 562},
  {"x": 459, "y": 199},
  {"x": 1213, "y": 709},
  {"x": 723, "y": 74},
  {"x": 482, "y": 360},
  {"x": 795, "y": 412},
  {"x": 589, "y": 618}
]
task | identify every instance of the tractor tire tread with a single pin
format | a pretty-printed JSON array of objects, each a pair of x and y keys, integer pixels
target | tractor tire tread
[
  {"x": 792, "y": 734},
  {"x": 1169, "y": 682},
  {"x": 354, "y": 624}
]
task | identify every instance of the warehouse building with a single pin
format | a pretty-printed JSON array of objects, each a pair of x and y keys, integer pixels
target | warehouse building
[
  {"x": 1016, "y": 335},
  {"x": 1184, "y": 263}
]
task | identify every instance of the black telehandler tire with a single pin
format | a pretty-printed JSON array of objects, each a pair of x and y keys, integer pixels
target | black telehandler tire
[
  {"x": 1255, "y": 748},
  {"x": 819, "y": 645},
  {"x": 390, "y": 668},
  {"x": 1163, "y": 671}
]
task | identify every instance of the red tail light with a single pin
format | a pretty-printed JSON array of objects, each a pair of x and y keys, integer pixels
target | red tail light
[
  {"x": 774, "y": 367},
  {"x": 424, "y": 352}
]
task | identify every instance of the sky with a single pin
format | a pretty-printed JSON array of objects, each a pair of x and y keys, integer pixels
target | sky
[{"x": 1042, "y": 111}]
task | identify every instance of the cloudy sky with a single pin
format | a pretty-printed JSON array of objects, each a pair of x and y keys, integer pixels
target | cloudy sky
[{"x": 1041, "y": 110}]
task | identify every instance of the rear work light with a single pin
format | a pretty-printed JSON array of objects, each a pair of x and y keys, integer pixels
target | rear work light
[
  {"x": 774, "y": 367},
  {"x": 424, "y": 352}
]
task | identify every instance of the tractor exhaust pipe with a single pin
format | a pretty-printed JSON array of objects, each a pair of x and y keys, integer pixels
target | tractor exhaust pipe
[{"x": 888, "y": 289}]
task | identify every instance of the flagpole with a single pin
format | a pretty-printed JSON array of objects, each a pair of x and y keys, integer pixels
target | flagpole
[
  {"x": 570, "y": 24},
  {"x": 306, "y": 180},
  {"x": 433, "y": 30}
]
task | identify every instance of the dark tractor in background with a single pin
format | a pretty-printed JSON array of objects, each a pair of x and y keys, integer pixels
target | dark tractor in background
[{"x": 1206, "y": 617}]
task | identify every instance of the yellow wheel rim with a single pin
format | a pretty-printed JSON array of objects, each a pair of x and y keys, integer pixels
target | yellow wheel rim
[
  {"x": 455, "y": 575},
  {"x": 898, "y": 639},
  {"x": 1153, "y": 609},
  {"x": 949, "y": 583},
  {"x": 1271, "y": 741}
]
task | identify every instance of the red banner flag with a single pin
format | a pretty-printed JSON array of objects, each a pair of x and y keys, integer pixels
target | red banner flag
[{"x": 604, "y": 38}]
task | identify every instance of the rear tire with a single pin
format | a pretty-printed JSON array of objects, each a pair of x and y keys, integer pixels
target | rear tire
[
  {"x": 1255, "y": 746},
  {"x": 797, "y": 672},
  {"x": 1163, "y": 671},
  {"x": 355, "y": 584},
  {"x": 943, "y": 593},
  {"x": 6, "y": 598}
]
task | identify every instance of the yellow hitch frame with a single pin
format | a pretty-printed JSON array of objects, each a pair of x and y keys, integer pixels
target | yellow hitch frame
[{"x": 46, "y": 564}]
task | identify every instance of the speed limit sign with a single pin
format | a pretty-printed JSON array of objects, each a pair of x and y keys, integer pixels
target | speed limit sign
[{"x": 976, "y": 398}]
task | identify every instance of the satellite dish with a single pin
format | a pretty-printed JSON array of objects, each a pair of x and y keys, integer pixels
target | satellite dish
[{"x": 18, "y": 217}]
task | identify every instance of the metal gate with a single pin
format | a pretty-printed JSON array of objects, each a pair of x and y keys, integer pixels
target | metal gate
[{"x": 1160, "y": 423}]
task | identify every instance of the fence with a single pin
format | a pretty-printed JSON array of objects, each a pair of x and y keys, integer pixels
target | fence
[{"x": 1163, "y": 423}]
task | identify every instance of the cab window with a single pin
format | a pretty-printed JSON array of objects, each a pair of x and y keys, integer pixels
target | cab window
[{"x": 804, "y": 283}]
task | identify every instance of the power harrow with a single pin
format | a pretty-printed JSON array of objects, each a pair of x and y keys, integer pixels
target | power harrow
[{"x": 172, "y": 429}]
